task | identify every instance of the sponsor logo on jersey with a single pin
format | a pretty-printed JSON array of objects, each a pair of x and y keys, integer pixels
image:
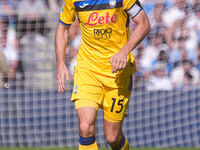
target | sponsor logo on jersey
[
  {"x": 102, "y": 34},
  {"x": 94, "y": 19},
  {"x": 112, "y": 3}
]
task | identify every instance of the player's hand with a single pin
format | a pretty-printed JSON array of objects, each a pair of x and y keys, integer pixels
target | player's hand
[
  {"x": 118, "y": 61},
  {"x": 62, "y": 74}
]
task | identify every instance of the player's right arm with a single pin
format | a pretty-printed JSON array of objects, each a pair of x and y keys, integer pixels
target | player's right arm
[
  {"x": 61, "y": 40},
  {"x": 67, "y": 17}
]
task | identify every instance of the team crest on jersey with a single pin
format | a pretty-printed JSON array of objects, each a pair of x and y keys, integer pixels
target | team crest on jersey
[
  {"x": 112, "y": 3},
  {"x": 75, "y": 89}
]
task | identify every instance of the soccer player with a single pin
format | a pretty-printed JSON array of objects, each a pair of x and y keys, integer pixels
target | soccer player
[{"x": 105, "y": 64}]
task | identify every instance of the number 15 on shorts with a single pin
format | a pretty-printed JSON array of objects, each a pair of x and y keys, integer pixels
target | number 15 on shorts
[{"x": 120, "y": 104}]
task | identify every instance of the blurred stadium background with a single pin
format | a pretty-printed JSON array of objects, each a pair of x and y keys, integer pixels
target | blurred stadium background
[{"x": 164, "y": 108}]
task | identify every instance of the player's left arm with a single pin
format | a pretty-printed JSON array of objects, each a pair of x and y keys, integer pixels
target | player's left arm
[{"x": 119, "y": 60}]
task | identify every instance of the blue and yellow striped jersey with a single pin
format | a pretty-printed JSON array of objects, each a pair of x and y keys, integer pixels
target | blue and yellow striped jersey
[{"x": 104, "y": 31}]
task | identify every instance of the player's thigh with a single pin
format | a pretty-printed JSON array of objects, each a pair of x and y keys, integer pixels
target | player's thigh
[
  {"x": 87, "y": 114},
  {"x": 116, "y": 100},
  {"x": 87, "y": 118}
]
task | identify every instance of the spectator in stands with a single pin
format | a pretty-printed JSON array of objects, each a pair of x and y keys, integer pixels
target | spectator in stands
[
  {"x": 138, "y": 53},
  {"x": 155, "y": 16},
  {"x": 185, "y": 77},
  {"x": 156, "y": 20},
  {"x": 3, "y": 70},
  {"x": 53, "y": 5},
  {"x": 8, "y": 50},
  {"x": 7, "y": 7},
  {"x": 31, "y": 14},
  {"x": 163, "y": 59},
  {"x": 8, "y": 29},
  {"x": 176, "y": 10},
  {"x": 197, "y": 12},
  {"x": 177, "y": 54},
  {"x": 193, "y": 22},
  {"x": 198, "y": 58},
  {"x": 180, "y": 28},
  {"x": 140, "y": 76},
  {"x": 159, "y": 81},
  {"x": 189, "y": 44},
  {"x": 151, "y": 52}
]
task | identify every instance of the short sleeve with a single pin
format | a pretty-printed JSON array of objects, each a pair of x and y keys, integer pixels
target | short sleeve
[
  {"x": 67, "y": 13},
  {"x": 133, "y": 7}
]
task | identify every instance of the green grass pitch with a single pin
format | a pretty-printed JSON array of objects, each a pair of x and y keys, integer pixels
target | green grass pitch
[{"x": 99, "y": 149}]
